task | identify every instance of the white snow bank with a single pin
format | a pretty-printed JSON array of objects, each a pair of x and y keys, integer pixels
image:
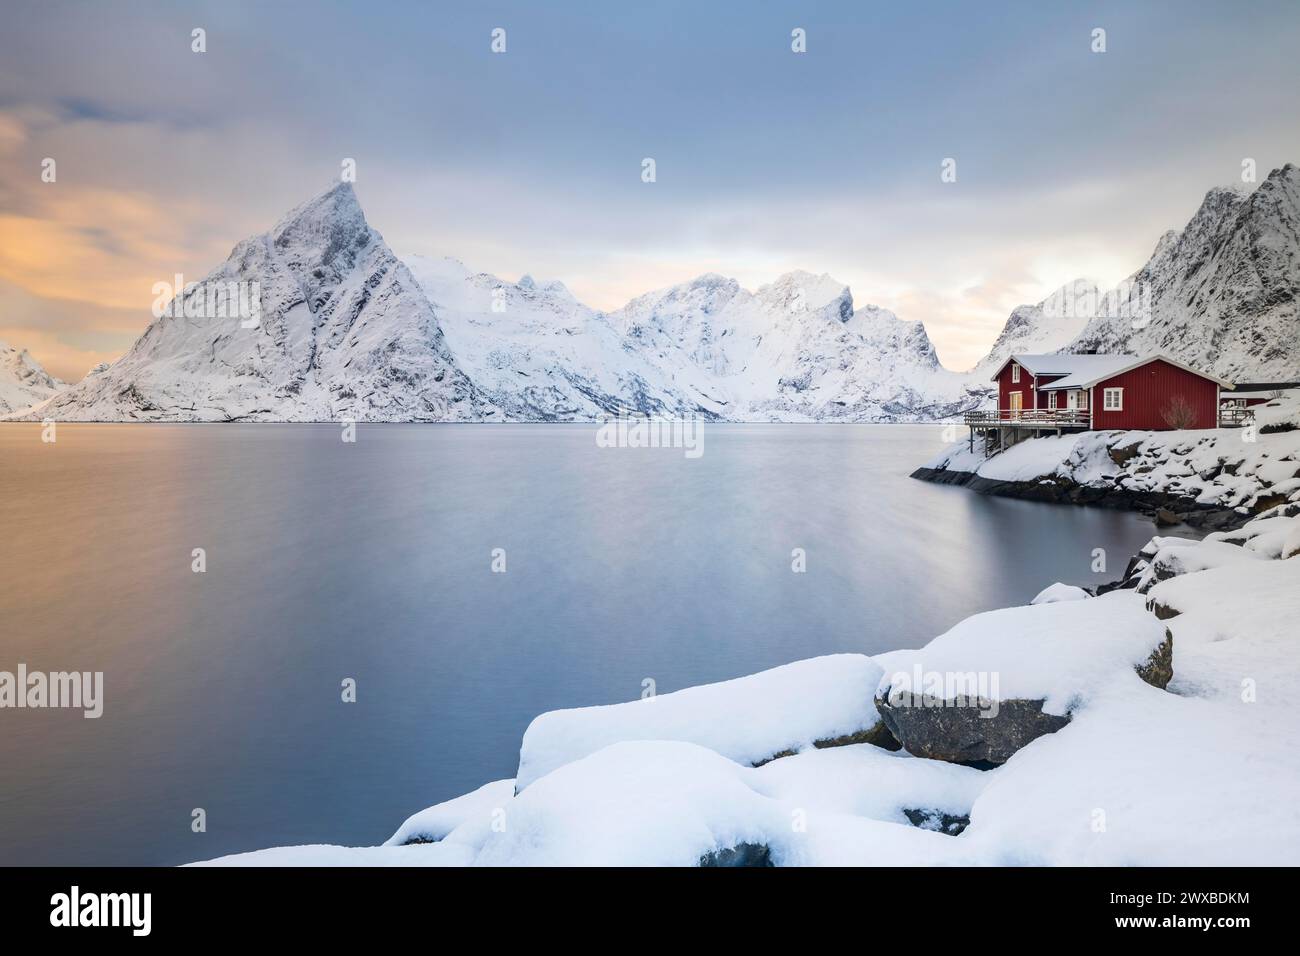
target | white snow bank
[
  {"x": 1063, "y": 653},
  {"x": 1267, "y": 537},
  {"x": 1206, "y": 775},
  {"x": 1057, "y": 592},
  {"x": 1146, "y": 780},
  {"x": 748, "y": 720},
  {"x": 665, "y": 803},
  {"x": 646, "y": 803},
  {"x": 322, "y": 854},
  {"x": 1030, "y": 460},
  {"x": 1237, "y": 623},
  {"x": 866, "y": 781},
  {"x": 1180, "y": 556},
  {"x": 437, "y": 821}
]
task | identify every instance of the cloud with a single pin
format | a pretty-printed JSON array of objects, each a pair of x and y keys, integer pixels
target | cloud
[{"x": 1069, "y": 163}]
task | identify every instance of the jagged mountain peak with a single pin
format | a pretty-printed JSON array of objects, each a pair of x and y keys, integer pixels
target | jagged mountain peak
[
  {"x": 23, "y": 382},
  {"x": 1222, "y": 293},
  {"x": 800, "y": 293},
  {"x": 338, "y": 203},
  {"x": 325, "y": 324},
  {"x": 1045, "y": 326}
]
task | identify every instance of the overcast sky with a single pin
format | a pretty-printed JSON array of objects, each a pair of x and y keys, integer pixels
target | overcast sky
[{"x": 1069, "y": 162}]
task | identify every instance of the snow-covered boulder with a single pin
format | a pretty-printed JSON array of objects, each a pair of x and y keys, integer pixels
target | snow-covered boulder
[
  {"x": 820, "y": 702},
  {"x": 432, "y": 824},
  {"x": 1057, "y": 592},
  {"x": 997, "y": 681},
  {"x": 1182, "y": 557},
  {"x": 670, "y": 803}
]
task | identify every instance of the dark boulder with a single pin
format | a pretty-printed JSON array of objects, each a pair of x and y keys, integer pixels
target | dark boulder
[
  {"x": 949, "y": 823},
  {"x": 982, "y": 734},
  {"x": 1165, "y": 517},
  {"x": 742, "y": 854}
]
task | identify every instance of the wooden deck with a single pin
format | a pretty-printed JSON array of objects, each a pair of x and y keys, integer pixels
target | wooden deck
[{"x": 1034, "y": 418}]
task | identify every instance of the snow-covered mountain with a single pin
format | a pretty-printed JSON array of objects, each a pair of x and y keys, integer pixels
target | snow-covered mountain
[
  {"x": 539, "y": 354},
  {"x": 344, "y": 332},
  {"x": 795, "y": 350},
  {"x": 1048, "y": 326},
  {"x": 23, "y": 382},
  {"x": 1223, "y": 294}
]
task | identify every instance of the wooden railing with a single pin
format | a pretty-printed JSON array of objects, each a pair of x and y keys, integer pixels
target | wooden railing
[
  {"x": 1234, "y": 416},
  {"x": 1036, "y": 417}
]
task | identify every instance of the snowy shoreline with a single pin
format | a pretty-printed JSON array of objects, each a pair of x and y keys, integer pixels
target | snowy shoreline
[
  {"x": 1149, "y": 725},
  {"x": 1214, "y": 479}
]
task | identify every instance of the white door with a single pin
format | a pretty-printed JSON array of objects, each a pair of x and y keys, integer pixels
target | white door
[{"x": 1017, "y": 402}]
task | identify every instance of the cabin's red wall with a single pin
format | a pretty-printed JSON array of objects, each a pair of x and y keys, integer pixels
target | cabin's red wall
[
  {"x": 1042, "y": 395},
  {"x": 1025, "y": 387},
  {"x": 1147, "y": 391}
]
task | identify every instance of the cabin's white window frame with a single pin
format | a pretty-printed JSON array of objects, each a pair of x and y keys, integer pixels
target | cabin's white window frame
[
  {"x": 1082, "y": 401},
  {"x": 1015, "y": 373},
  {"x": 1051, "y": 401},
  {"x": 1112, "y": 399}
]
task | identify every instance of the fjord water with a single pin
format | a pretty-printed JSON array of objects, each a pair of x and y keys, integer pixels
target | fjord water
[{"x": 373, "y": 561}]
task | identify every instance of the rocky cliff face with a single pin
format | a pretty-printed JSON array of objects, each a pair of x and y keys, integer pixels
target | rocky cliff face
[{"x": 1222, "y": 294}]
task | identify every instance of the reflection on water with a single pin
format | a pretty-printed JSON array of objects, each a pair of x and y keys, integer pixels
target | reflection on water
[{"x": 373, "y": 561}]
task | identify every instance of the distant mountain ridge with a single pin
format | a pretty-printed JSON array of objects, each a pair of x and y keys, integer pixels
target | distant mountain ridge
[{"x": 347, "y": 330}]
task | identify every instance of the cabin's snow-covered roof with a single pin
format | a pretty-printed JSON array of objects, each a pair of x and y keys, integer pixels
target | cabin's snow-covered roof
[
  {"x": 1084, "y": 371},
  {"x": 1070, "y": 365}
]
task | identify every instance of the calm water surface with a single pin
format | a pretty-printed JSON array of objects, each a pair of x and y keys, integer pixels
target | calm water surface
[{"x": 373, "y": 560}]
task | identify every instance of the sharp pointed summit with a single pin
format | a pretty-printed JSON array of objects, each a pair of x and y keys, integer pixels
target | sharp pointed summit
[{"x": 315, "y": 320}]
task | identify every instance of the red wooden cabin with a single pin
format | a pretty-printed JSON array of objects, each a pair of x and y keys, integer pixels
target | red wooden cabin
[{"x": 1097, "y": 392}]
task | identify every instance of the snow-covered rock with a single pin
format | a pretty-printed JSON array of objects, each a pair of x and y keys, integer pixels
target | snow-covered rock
[
  {"x": 820, "y": 702},
  {"x": 434, "y": 823},
  {"x": 999, "y": 680},
  {"x": 23, "y": 383},
  {"x": 1057, "y": 592}
]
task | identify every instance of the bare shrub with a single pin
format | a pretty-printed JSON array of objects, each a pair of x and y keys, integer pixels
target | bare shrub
[{"x": 1179, "y": 413}]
